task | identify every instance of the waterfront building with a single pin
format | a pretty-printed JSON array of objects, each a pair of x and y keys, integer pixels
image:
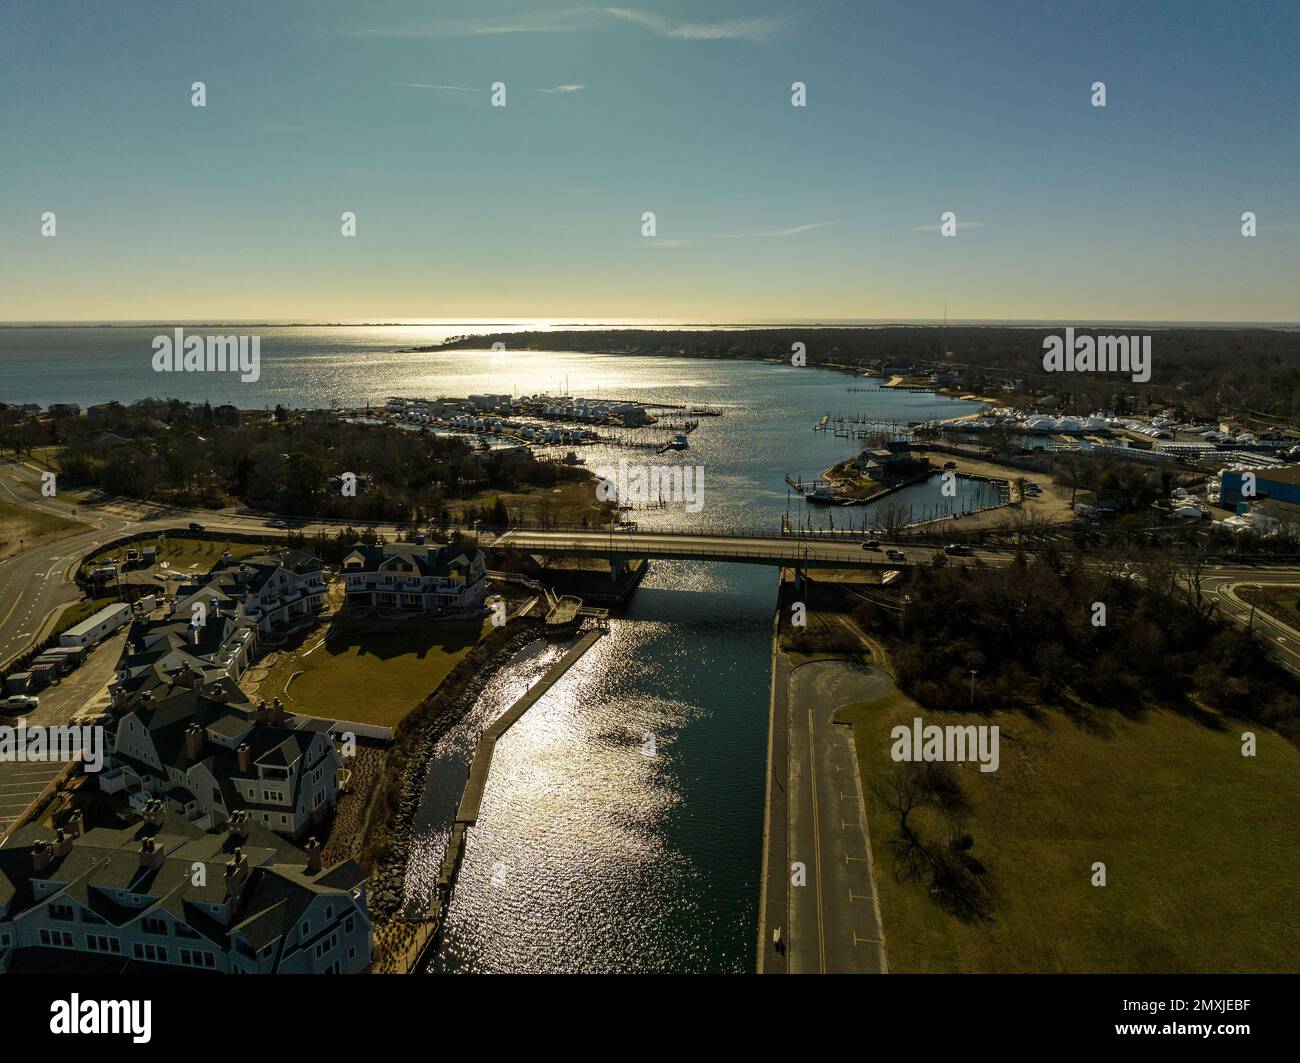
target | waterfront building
[
  {"x": 211, "y": 753},
  {"x": 166, "y": 893},
  {"x": 436, "y": 580}
]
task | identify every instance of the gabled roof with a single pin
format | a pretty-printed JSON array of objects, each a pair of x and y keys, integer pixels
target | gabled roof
[{"x": 425, "y": 560}]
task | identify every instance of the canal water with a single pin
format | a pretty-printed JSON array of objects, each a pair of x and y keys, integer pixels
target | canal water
[{"x": 589, "y": 854}]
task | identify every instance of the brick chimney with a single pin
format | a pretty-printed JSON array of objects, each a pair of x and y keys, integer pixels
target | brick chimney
[
  {"x": 240, "y": 824},
  {"x": 193, "y": 741},
  {"x": 151, "y": 854},
  {"x": 120, "y": 697},
  {"x": 236, "y": 873},
  {"x": 42, "y": 854},
  {"x": 155, "y": 812},
  {"x": 312, "y": 849},
  {"x": 245, "y": 755},
  {"x": 262, "y": 713},
  {"x": 76, "y": 824},
  {"x": 218, "y": 693},
  {"x": 277, "y": 713},
  {"x": 62, "y": 843}
]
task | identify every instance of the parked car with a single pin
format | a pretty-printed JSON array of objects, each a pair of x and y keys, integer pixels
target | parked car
[
  {"x": 895, "y": 555},
  {"x": 871, "y": 544},
  {"x": 21, "y": 702},
  {"x": 196, "y": 526},
  {"x": 956, "y": 550},
  {"x": 278, "y": 524}
]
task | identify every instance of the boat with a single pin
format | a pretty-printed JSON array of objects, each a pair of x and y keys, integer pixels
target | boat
[
  {"x": 821, "y": 496},
  {"x": 564, "y": 616},
  {"x": 679, "y": 442}
]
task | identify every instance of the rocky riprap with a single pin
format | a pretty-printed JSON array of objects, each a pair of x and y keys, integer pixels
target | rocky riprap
[{"x": 409, "y": 758}]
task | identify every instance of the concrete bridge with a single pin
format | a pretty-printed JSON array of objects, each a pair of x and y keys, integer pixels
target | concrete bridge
[{"x": 776, "y": 550}]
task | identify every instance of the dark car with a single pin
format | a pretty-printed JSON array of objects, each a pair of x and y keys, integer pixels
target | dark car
[
  {"x": 871, "y": 544},
  {"x": 195, "y": 526},
  {"x": 957, "y": 550}
]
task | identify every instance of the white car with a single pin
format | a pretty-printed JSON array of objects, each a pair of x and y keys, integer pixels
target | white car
[{"x": 21, "y": 702}]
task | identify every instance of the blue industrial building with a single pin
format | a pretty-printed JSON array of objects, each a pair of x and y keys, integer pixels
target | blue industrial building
[{"x": 1277, "y": 485}]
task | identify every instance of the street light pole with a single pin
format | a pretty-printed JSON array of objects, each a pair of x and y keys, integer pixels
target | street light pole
[{"x": 972, "y": 688}]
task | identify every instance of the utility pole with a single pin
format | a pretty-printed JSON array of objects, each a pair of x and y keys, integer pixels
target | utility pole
[{"x": 972, "y": 688}]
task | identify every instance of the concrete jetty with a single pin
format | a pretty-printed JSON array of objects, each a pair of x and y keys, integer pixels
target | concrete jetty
[{"x": 470, "y": 800}]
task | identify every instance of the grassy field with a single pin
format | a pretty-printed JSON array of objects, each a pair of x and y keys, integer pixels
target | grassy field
[
  {"x": 190, "y": 555},
  {"x": 374, "y": 677},
  {"x": 1198, "y": 843},
  {"x": 45, "y": 457},
  {"x": 21, "y": 528},
  {"x": 1280, "y": 602},
  {"x": 566, "y": 503}
]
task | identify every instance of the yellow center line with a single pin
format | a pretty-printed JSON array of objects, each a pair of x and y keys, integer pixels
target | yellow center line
[{"x": 11, "y": 609}]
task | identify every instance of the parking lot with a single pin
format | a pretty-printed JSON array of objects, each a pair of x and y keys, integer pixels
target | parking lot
[{"x": 82, "y": 692}]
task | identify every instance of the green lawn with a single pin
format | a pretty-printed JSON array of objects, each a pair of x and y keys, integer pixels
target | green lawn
[
  {"x": 189, "y": 555},
  {"x": 1199, "y": 844},
  {"x": 30, "y": 527},
  {"x": 371, "y": 677}
]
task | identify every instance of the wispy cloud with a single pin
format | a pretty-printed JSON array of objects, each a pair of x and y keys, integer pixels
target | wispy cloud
[
  {"x": 436, "y": 88},
  {"x": 576, "y": 19},
  {"x": 664, "y": 245},
  {"x": 936, "y": 228},
  {"x": 765, "y": 234},
  {"x": 757, "y": 28},
  {"x": 564, "y": 88}
]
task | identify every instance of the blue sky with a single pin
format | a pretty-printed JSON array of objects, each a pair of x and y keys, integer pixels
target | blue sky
[{"x": 763, "y": 210}]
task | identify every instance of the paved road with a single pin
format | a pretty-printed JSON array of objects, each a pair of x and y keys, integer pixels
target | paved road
[
  {"x": 36, "y": 581},
  {"x": 1224, "y": 582},
  {"x": 832, "y": 921}
]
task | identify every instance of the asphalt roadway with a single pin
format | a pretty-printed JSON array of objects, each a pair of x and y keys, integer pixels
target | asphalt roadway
[{"x": 818, "y": 885}]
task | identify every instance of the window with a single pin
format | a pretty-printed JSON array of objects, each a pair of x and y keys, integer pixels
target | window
[
  {"x": 62, "y": 912},
  {"x": 329, "y": 912},
  {"x": 57, "y": 939},
  {"x": 103, "y": 943},
  {"x": 152, "y": 925},
  {"x": 347, "y": 927},
  {"x": 326, "y": 945},
  {"x": 306, "y": 927},
  {"x": 152, "y": 953},
  {"x": 196, "y": 958}
]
